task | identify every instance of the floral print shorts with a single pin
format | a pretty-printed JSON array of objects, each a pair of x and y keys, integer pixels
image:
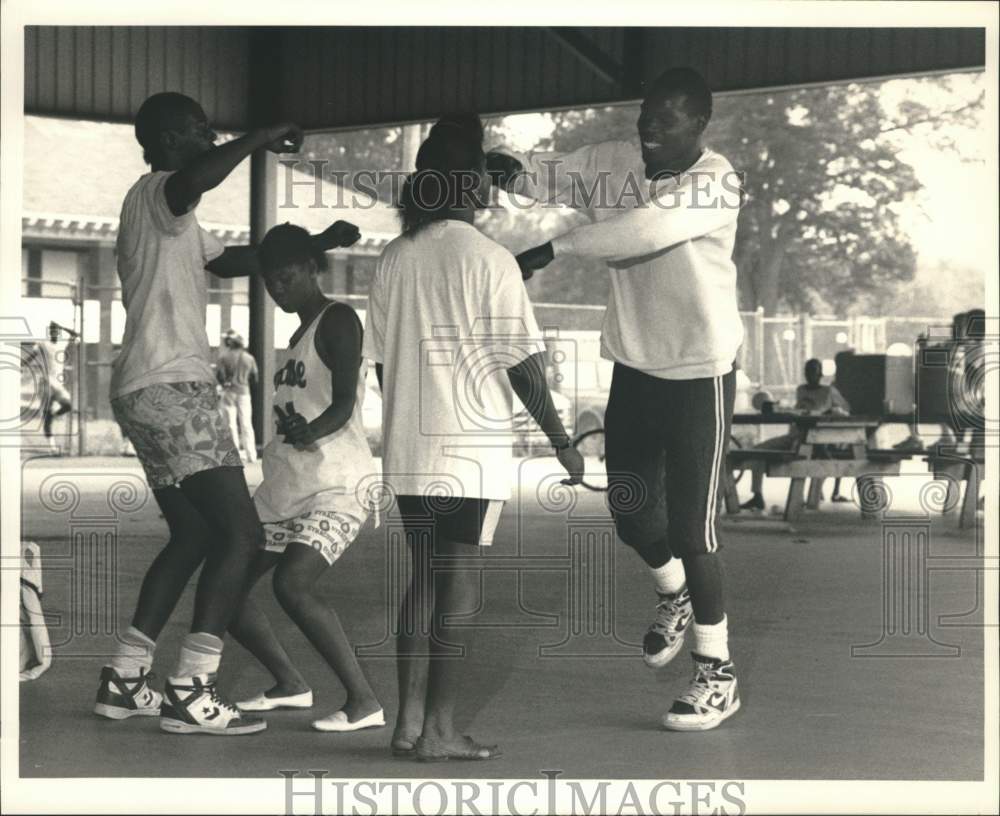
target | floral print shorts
[{"x": 177, "y": 430}]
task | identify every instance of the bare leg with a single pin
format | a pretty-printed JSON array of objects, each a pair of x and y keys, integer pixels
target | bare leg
[
  {"x": 168, "y": 575},
  {"x": 412, "y": 643},
  {"x": 294, "y": 580},
  {"x": 252, "y": 630},
  {"x": 222, "y": 497},
  {"x": 455, "y": 592}
]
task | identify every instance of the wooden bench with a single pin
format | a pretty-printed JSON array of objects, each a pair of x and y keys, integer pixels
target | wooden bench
[
  {"x": 867, "y": 472},
  {"x": 741, "y": 458},
  {"x": 891, "y": 455}
]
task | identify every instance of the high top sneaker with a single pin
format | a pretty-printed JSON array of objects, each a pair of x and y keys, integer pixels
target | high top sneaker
[
  {"x": 119, "y": 698},
  {"x": 711, "y": 698},
  {"x": 665, "y": 636},
  {"x": 193, "y": 706}
]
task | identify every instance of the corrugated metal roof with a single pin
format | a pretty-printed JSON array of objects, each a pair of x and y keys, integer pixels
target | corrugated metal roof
[
  {"x": 105, "y": 73},
  {"x": 327, "y": 78}
]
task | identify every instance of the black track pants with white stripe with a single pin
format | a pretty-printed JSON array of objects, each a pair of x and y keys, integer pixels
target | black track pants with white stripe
[{"x": 666, "y": 443}]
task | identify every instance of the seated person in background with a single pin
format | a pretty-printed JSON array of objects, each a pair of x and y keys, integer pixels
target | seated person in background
[{"x": 812, "y": 397}]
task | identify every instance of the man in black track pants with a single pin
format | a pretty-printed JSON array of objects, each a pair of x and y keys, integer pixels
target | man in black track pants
[{"x": 664, "y": 216}]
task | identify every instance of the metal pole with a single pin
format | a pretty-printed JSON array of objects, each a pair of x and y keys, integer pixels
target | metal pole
[
  {"x": 263, "y": 214},
  {"x": 759, "y": 344},
  {"x": 81, "y": 375},
  {"x": 805, "y": 329}
]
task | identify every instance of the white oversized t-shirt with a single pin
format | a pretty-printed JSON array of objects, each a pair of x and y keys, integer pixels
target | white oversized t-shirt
[
  {"x": 448, "y": 314},
  {"x": 673, "y": 309},
  {"x": 161, "y": 265}
]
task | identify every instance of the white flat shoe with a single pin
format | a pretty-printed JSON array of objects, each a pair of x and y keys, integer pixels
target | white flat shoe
[
  {"x": 338, "y": 722},
  {"x": 263, "y": 703}
]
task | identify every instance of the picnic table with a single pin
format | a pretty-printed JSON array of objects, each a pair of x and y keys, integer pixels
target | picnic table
[{"x": 825, "y": 446}]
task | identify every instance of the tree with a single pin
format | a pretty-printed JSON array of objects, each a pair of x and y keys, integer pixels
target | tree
[
  {"x": 825, "y": 168},
  {"x": 825, "y": 176}
]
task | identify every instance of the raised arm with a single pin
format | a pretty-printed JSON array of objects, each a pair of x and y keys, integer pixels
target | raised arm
[
  {"x": 209, "y": 170},
  {"x": 571, "y": 179},
  {"x": 240, "y": 261},
  {"x": 701, "y": 204}
]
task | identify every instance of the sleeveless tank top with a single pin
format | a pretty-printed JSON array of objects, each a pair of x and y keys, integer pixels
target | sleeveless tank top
[{"x": 325, "y": 476}]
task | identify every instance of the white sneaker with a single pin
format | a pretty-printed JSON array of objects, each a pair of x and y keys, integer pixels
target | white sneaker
[
  {"x": 665, "y": 636},
  {"x": 711, "y": 698},
  {"x": 192, "y": 705},
  {"x": 264, "y": 703},
  {"x": 119, "y": 698},
  {"x": 338, "y": 722}
]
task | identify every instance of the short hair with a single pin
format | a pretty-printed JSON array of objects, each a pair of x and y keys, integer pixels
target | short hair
[
  {"x": 234, "y": 339},
  {"x": 159, "y": 113},
  {"x": 287, "y": 244},
  {"x": 690, "y": 83}
]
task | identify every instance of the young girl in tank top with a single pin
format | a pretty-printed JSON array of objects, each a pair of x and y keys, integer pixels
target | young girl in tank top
[{"x": 308, "y": 501}]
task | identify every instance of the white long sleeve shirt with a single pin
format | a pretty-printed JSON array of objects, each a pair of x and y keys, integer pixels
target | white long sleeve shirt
[{"x": 673, "y": 308}]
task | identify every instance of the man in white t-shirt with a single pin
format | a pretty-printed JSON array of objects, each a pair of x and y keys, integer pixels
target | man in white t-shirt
[
  {"x": 664, "y": 218},
  {"x": 164, "y": 398},
  {"x": 236, "y": 371}
]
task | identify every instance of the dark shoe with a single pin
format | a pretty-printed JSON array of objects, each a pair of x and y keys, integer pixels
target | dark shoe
[
  {"x": 711, "y": 698},
  {"x": 119, "y": 698},
  {"x": 193, "y": 706},
  {"x": 665, "y": 637}
]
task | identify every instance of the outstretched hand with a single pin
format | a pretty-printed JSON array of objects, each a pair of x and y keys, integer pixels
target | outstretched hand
[
  {"x": 286, "y": 138},
  {"x": 502, "y": 169},
  {"x": 339, "y": 234},
  {"x": 535, "y": 258}
]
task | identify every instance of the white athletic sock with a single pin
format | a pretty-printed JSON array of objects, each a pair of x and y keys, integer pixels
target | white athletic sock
[
  {"x": 200, "y": 654},
  {"x": 135, "y": 654},
  {"x": 669, "y": 578},
  {"x": 712, "y": 640}
]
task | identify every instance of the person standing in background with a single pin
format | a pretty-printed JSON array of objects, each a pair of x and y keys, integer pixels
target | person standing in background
[
  {"x": 55, "y": 398},
  {"x": 236, "y": 371}
]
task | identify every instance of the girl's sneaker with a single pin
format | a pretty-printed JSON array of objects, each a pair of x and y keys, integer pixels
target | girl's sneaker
[
  {"x": 193, "y": 706},
  {"x": 119, "y": 698}
]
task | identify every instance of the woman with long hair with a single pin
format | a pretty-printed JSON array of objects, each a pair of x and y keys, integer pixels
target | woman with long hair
[{"x": 452, "y": 333}]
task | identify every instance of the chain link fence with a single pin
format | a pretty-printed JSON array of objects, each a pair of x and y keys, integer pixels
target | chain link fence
[{"x": 772, "y": 356}]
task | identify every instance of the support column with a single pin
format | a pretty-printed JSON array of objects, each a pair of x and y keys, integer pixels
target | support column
[
  {"x": 263, "y": 213},
  {"x": 106, "y": 279}
]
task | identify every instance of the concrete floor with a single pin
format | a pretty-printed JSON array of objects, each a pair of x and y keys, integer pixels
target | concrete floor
[{"x": 797, "y": 603}]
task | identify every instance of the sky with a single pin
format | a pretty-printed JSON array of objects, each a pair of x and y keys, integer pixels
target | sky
[{"x": 945, "y": 221}]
